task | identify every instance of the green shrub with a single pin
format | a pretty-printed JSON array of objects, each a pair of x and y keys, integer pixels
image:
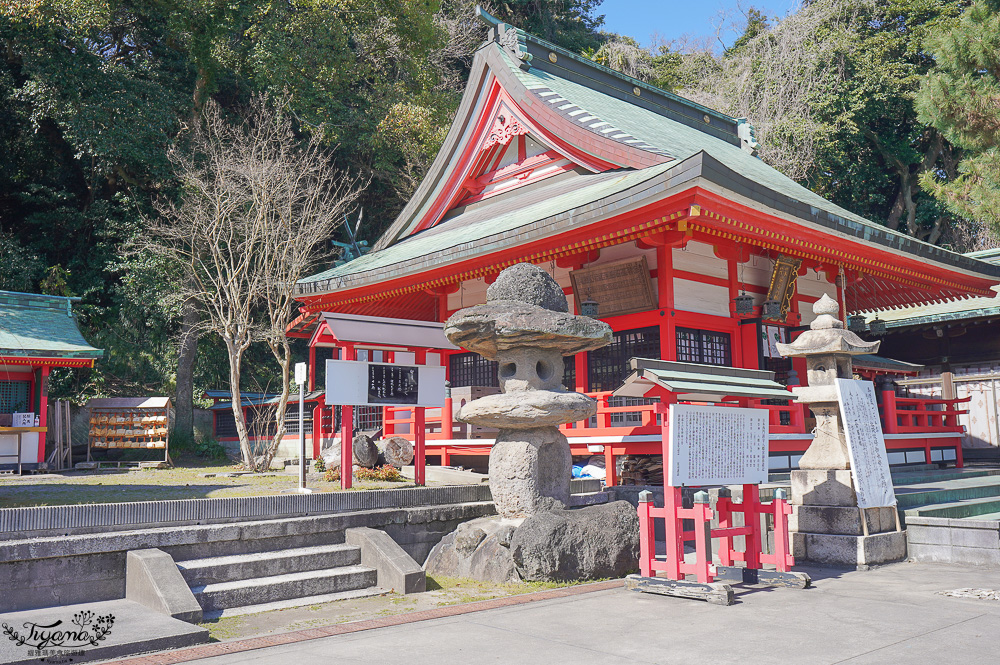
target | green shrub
[
  {"x": 319, "y": 465},
  {"x": 384, "y": 473}
]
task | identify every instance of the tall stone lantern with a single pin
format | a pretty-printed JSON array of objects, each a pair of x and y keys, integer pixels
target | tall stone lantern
[
  {"x": 526, "y": 327},
  {"x": 826, "y": 521}
]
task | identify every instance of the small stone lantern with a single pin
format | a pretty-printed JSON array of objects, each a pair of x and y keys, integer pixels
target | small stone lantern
[
  {"x": 826, "y": 522},
  {"x": 827, "y": 348}
]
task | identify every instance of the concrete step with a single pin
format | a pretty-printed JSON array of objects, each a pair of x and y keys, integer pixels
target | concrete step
[
  {"x": 946, "y": 491},
  {"x": 958, "y": 509},
  {"x": 218, "y": 569},
  {"x": 367, "y": 592},
  {"x": 260, "y": 590}
]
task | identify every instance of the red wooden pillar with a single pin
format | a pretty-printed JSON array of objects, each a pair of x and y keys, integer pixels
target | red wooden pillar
[
  {"x": 317, "y": 434},
  {"x": 675, "y": 542},
  {"x": 419, "y": 431},
  {"x": 347, "y": 431},
  {"x": 43, "y": 408},
  {"x": 611, "y": 472},
  {"x": 647, "y": 535},
  {"x": 665, "y": 298},
  {"x": 312, "y": 368},
  {"x": 751, "y": 517}
]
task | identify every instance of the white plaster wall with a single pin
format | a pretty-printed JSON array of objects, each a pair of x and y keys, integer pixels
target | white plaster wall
[
  {"x": 690, "y": 296},
  {"x": 699, "y": 257}
]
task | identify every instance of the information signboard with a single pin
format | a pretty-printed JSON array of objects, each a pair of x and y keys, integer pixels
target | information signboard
[
  {"x": 361, "y": 383},
  {"x": 716, "y": 445},
  {"x": 865, "y": 443}
]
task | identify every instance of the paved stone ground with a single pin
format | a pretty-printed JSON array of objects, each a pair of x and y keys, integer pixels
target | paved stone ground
[{"x": 893, "y": 614}]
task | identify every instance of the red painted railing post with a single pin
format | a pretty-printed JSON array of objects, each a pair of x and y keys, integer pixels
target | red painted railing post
[
  {"x": 702, "y": 537},
  {"x": 751, "y": 517},
  {"x": 783, "y": 560},
  {"x": 723, "y": 508},
  {"x": 388, "y": 429},
  {"x": 889, "y": 415},
  {"x": 447, "y": 422},
  {"x": 675, "y": 544},
  {"x": 647, "y": 538}
]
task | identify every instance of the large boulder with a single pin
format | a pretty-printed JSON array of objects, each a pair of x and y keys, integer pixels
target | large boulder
[
  {"x": 478, "y": 550},
  {"x": 578, "y": 544}
]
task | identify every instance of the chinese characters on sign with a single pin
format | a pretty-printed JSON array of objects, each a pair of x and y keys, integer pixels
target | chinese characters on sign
[
  {"x": 865, "y": 443},
  {"x": 619, "y": 287},
  {"x": 717, "y": 445},
  {"x": 392, "y": 384}
]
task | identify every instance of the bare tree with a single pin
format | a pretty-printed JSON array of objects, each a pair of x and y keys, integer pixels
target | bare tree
[{"x": 258, "y": 205}]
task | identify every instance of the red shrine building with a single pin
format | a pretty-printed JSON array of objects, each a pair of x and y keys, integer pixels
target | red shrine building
[{"x": 655, "y": 215}]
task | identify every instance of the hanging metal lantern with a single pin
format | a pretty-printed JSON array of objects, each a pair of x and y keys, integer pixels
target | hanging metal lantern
[
  {"x": 771, "y": 309},
  {"x": 856, "y": 323},
  {"x": 744, "y": 304},
  {"x": 589, "y": 308},
  {"x": 877, "y": 327}
]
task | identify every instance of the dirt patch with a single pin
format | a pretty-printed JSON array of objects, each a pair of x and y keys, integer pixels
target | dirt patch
[{"x": 441, "y": 591}]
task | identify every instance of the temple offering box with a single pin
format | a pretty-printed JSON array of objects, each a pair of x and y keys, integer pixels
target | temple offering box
[{"x": 127, "y": 422}]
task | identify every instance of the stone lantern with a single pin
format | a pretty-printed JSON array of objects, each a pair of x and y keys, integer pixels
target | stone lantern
[
  {"x": 826, "y": 521},
  {"x": 526, "y": 327}
]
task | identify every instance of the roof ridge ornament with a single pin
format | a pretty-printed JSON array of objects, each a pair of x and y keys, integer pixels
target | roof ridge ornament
[{"x": 747, "y": 134}]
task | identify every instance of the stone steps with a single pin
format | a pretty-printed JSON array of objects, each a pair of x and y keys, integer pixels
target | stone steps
[
  {"x": 219, "y": 569},
  {"x": 979, "y": 508},
  {"x": 262, "y": 590},
  {"x": 918, "y": 477},
  {"x": 946, "y": 491}
]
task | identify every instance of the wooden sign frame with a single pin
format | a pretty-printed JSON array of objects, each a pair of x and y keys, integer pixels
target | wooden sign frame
[
  {"x": 782, "y": 287},
  {"x": 604, "y": 284}
]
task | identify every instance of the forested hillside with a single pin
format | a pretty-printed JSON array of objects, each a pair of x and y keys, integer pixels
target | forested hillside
[{"x": 95, "y": 93}]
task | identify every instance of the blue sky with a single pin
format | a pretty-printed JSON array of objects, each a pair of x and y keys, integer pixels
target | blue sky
[{"x": 672, "y": 19}]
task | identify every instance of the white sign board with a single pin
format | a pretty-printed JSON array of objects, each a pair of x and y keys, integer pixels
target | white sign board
[
  {"x": 865, "y": 443},
  {"x": 361, "y": 383},
  {"x": 23, "y": 420},
  {"x": 301, "y": 372},
  {"x": 716, "y": 445}
]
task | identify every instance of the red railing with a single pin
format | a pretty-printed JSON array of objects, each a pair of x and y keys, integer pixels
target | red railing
[{"x": 916, "y": 415}]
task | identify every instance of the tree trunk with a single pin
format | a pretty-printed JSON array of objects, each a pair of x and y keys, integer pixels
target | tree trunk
[
  {"x": 188, "y": 352},
  {"x": 283, "y": 354},
  {"x": 235, "y": 360},
  {"x": 397, "y": 451}
]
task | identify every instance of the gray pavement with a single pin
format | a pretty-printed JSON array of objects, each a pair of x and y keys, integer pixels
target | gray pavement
[{"x": 891, "y": 614}]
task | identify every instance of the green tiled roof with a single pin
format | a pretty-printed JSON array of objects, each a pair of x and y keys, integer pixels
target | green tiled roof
[
  {"x": 604, "y": 103},
  {"x": 461, "y": 237},
  {"x": 970, "y": 308},
  {"x": 34, "y": 325}
]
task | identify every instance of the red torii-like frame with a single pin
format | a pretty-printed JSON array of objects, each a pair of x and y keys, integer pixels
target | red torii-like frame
[{"x": 350, "y": 333}]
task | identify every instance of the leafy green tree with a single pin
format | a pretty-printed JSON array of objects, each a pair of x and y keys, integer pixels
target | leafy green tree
[
  {"x": 571, "y": 24},
  {"x": 960, "y": 98}
]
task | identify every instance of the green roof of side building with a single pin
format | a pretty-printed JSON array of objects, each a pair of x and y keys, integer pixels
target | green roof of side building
[
  {"x": 971, "y": 308},
  {"x": 39, "y": 326},
  {"x": 684, "y": 140}
]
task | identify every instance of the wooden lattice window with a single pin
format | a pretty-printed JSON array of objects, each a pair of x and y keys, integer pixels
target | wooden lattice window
[
  {"x": 471, "y": 369},
  {"x": 707, "y": 347},
  {"x": 15, "y": 396},
  {"x": 608, "y": 367}
]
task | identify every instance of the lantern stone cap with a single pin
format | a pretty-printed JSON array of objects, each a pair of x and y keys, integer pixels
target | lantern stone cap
[
  {"x": 827, "y": 335},
  {"x": 525, "y": 307},
  {"x": 501, "y": 325}
]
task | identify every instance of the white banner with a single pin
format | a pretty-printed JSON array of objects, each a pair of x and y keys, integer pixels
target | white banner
[
  {"x": 865, "y": 443},
  {"x": 717, "y": 445}
]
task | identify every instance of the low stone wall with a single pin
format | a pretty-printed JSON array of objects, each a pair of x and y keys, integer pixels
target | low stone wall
[
  {"x": 19, "y": 523},
  {"x": 946, "y": 540},
  {"x": 63, "y": 570}
]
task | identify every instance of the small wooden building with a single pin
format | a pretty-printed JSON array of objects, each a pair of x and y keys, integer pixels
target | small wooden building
[{"x": 37, "y": 333}]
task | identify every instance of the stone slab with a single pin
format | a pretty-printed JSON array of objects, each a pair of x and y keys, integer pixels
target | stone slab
[
  {"x": 153, "y": 580},
  {"x": 136, "y": 629},
  {"x": 396, "y": 569},
  {"x": 823, "y": 487},
  {"x": 844, "y": 550},
  {"x": 840, "y": 519}
]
